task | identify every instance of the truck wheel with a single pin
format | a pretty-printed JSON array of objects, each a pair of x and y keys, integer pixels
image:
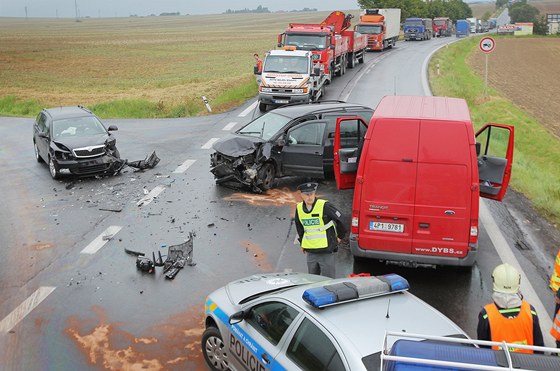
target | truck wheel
[
  {"x": 343, "y": 66},
  {"x": 214, "y": 349},
  {"x": 262, "y": 107},
  {"x": 351, "y": 61},
  {"x": 266, "y": 176}
]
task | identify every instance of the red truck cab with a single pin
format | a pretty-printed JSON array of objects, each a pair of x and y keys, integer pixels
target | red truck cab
[
  {"x": 419, "y": 173},
  {"x": 442, "y": 26},
  {"x": 325, "y": 40}
]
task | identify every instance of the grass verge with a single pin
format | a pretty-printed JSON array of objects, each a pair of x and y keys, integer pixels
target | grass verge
[{"x": 537, "y": 152}]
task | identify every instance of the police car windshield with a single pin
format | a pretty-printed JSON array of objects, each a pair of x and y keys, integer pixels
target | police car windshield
[{"x": 266, "y": 126}]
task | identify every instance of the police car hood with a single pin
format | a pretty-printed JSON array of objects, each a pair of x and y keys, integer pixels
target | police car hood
[
  {"x": 237, "y": 145},
  {"x": 259, "y": 284}
]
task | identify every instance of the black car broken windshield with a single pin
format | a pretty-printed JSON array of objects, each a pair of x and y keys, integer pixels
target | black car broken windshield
[
  {"x": 77, "y": 127},
  {"x": 265, "y": 127}
]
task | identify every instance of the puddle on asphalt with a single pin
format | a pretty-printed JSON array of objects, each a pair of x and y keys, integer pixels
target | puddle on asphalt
[{"x": 173, "y": 344}]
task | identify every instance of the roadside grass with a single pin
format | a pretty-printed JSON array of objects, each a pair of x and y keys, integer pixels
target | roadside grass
[
  {"x": 12, "y": 106},
  {"x": 136, "y": 67},
  {"x": 537, "y": 152}
]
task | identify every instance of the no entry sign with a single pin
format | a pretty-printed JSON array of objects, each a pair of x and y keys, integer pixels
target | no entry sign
[{"x": 487, "y": 44}]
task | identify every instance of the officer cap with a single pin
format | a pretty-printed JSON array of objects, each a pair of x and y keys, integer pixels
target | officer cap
[{"x": 307, "y": 187}]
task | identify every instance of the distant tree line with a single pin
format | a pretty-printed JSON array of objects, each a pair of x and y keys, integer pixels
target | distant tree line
[
  {"x": 520, "y": 11},
  {"x": 453, "y": 9},
  {"x": 261, "y": 9}
]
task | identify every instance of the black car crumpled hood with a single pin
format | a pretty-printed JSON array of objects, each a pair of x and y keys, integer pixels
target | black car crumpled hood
[
  {"x": 80, "y": 142},
  {"x": 237, "y": 145}
]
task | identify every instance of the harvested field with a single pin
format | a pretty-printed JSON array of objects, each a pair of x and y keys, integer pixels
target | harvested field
[{"x": 526, "y": 71}]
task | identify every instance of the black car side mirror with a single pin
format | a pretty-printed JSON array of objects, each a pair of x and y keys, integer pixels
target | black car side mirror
[
  {"x": 112, "y": 128},
  {"x": 236, "y": 317}
]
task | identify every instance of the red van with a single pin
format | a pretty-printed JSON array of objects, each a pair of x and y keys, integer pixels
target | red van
[{"x": 418, "y": 176}]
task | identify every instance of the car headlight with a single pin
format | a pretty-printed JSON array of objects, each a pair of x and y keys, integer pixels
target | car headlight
[
  {"x": 266, "y": 90},
  {"x": 63, "y": 155}
]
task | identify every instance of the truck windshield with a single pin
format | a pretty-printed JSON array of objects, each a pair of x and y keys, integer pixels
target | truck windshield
[
  {"x": 286, "y": 64},
  {"x": 307, "y": 42},
  {"x": 369, "y": 29},
  {"x": 439, "y": 22},
  {"x": 413, "y": 23}
]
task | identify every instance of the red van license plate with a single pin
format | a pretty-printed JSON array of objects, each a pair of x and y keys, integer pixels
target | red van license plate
[{"x": 386, "y": 227}]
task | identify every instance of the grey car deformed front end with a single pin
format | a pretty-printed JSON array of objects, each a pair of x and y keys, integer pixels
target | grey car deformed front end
[{"x": 243, "y": 159}]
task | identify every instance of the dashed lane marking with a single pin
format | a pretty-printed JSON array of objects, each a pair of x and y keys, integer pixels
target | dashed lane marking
[
  {"x": 229, "y": 126},
  {"x": 150, "y": 196},
  {"x": 248, "y": 109},
  {"x": 208, "y": 144},
  {"x": 101, "y": 240},
  {"x": 12, "y": 319},
  {"x": 183, "y": 167}
]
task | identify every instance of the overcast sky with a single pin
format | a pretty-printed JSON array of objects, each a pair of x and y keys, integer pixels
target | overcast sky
[{"x": 124, "y": 8}]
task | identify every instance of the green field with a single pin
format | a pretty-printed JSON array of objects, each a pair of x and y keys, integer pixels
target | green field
[{"x": 135, "y": 67}]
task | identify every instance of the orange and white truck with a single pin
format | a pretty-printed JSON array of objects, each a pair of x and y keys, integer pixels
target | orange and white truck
[{"x": 382, "y": 27}]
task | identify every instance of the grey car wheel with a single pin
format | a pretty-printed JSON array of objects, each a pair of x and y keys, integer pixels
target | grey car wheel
[
  {"x": 262, "y": 107},
  {"x": 53, "y": 168},
  {"x": 214, "y": 349},
  {"x": 37, "y": 155},
  {"x": 266, "y": 176}
]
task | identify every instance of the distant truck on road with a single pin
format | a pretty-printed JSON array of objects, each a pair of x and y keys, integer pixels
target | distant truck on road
[
  {"x": 462, "y": 28},
  {"x": 289, "y": 76},
  {"x": 382, "y": 27},
  {"x": 417, "y": 29},
  {"x": 473, "y": 24},
  {"x": 442, "y": 26}
]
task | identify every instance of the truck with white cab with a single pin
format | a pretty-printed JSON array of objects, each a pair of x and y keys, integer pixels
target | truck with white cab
[{"x": 290, "y": 76}]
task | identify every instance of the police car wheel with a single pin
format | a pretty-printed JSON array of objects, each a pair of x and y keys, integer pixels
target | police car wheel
[{"x": 214, "y": 349}]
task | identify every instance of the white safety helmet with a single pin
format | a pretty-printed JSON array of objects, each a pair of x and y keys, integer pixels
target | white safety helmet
[{"x": 506, "y": 279}]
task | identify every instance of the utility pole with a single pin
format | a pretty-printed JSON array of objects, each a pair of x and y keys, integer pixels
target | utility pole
[
  {"x": 76, "y": 6},
  {"x": 26, "y": 12}
]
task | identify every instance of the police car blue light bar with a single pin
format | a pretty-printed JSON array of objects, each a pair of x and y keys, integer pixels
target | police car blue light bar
[{"x": 354, "y": 289}]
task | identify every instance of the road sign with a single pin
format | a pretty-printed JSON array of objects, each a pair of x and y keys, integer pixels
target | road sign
[{"x": 487, "y": 44}]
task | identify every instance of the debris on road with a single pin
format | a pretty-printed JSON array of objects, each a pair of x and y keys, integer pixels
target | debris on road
[
  {"x": 132, "y": 252},
  {"x": 148, "y": 163}
]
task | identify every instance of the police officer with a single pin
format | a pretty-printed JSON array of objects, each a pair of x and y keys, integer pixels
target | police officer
[
  {"x": 320, "y": 229},
  {"x": 509, "y": 318}
]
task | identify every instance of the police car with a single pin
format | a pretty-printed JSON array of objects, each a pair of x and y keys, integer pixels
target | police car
[{"x": 298, "y": 321}]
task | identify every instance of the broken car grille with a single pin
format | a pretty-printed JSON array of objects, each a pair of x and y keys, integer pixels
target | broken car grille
[
  {"x": 91, "y": 169},
  {"x": 87, "y": 152}
]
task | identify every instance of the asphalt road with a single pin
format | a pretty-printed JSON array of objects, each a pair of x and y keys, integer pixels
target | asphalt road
[{"x": 71, "y": 298}]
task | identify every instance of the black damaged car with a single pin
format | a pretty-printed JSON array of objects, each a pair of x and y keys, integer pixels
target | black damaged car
[
  {"x": 72, "y": 140},
  {"x": 290, "y": 140}
]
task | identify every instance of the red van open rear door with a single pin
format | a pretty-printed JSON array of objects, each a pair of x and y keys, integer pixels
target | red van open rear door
[
  {"x": 495, "y": 158},
  {"x": 348, "y": 141}
]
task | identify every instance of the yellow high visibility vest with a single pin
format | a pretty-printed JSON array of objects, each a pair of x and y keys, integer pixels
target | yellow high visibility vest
[
  {"x": 314, "y": 229},
  {"x": 555, "y": 278}
]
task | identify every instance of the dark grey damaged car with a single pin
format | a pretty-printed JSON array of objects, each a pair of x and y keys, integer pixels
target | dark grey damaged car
[
  {"x": 290, "y": 140},
  {"x": 73, "y": 140}
]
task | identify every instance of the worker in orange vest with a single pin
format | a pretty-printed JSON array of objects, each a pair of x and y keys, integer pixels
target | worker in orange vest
[
  {"x": 509, "y": 318},
  {"x": 555, "y": 330},
  {"x": 258, "y": 68},
  {"x": 555, "y": 277},
  {"x": 555, "y": 285}
]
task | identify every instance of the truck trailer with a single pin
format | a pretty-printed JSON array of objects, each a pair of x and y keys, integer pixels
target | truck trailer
[
  {"x": 462, "y": 28},
  {"x": 382, "y": 27}
]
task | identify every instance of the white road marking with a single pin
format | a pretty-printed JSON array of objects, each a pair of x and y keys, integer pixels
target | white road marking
[
  {"x": 12, "y": 319},
  {"x": 229, "y": 126},
  {"x": 101, "y": 240},
  {"x": 183, "y": 167},
  {"x": 151, "y": 195},
  {"x": 507, "y": 256},
  {"x": 248, "y": 109},
  {"x": 208, "y": 144}
]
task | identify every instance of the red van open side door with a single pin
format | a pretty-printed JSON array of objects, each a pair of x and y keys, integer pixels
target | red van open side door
[
  {"x": 495, "y": 157},
  {"x": 348, "y": 142}
]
